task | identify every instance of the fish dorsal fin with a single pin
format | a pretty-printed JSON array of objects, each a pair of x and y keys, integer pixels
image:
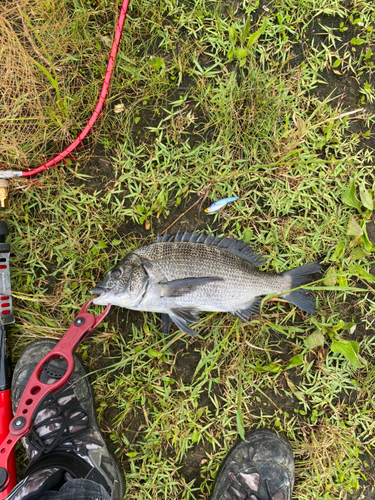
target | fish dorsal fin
[{"x": 232, "y": 245}]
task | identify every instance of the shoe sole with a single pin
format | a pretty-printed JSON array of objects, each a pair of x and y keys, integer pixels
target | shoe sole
[
  {"x": 252, "y": 436},
  {"x": 78, "y": 366}
]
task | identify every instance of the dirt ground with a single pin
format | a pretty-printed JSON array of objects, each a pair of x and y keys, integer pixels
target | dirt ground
[{"x": 344, "y": 91}]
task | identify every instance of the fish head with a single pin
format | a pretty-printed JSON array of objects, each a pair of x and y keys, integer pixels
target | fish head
[{"x": 124, "y": 285}]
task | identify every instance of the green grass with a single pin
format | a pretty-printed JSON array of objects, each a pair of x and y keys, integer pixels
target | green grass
[{"x": 216, "y": 104}]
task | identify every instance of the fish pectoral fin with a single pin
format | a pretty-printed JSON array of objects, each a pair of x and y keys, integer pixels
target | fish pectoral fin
[
  {"x": 180, "y": 287},
  {"x": 252, "y": 309},
  {"x": 183, "y": 317},
  {"x": 165, "y": 323}
]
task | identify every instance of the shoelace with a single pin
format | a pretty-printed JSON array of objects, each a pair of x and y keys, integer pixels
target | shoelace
[
  {"x": 68, "y": 421},
  {"x": 239, "y": 490}
]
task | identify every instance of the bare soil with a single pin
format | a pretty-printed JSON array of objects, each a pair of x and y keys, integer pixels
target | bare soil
[{"x": 344, "y": 91}]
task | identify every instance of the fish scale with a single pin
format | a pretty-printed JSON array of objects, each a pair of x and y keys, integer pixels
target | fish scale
[
  {"x": 186, "y": 260},
  {"x": 183, "y": 275}
]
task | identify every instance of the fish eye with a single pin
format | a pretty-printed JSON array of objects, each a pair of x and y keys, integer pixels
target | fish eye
[{"x": 116, "y": 274}]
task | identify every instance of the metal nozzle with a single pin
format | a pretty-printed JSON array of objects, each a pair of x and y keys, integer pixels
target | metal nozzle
[{"x": 4, "y": 193}]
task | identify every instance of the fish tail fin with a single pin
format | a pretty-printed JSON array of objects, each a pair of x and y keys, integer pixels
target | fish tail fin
[{"x": 300, "y": 276}]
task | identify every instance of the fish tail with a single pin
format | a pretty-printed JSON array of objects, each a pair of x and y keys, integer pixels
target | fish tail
[{"x": 300, "y": 276}]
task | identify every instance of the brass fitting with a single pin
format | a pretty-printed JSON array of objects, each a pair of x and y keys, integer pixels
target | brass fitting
[{"x": 4, "y": 193}]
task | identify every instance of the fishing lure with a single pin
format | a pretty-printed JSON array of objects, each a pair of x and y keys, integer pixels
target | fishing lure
[{"x": 218, "y": 205}]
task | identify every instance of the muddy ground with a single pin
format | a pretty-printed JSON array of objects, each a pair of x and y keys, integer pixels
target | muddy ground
[{"x": 345, "y": 92}]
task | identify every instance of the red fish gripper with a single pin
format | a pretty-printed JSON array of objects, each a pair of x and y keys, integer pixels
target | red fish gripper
[{"x": 36, "y": 390}]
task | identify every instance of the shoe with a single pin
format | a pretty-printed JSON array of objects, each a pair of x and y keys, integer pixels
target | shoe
[
  {"x": 65, "y": 434},
  {"x": 259, "y": 468}
]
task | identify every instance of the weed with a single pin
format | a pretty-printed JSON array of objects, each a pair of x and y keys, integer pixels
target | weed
[{"x": 209, "y": 100}]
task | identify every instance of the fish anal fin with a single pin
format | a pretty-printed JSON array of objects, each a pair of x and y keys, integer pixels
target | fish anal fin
[
  {"x": 252, "y": 309},
  {"x": 180, "y": 287}
]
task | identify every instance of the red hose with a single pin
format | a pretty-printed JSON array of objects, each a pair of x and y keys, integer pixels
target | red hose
[{"x": 98, "y": 108}]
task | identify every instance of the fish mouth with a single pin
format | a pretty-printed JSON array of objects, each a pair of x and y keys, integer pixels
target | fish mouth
[
  {"x": 99, "y": 290},
  {"x": 102, "y": 292}
]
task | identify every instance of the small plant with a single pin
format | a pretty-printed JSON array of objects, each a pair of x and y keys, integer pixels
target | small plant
[
  {"x": 368, "y": 93},
  {"x": 241, "y": 52},
  {"x": 357, "y": 227},
  {"x": 348, "y": 348}
]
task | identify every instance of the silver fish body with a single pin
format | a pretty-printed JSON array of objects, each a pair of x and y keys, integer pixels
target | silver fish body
[{"x": 183, "y": 275}]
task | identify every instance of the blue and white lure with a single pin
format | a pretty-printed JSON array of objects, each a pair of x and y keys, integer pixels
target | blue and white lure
[{"x": 219, "y": 204}]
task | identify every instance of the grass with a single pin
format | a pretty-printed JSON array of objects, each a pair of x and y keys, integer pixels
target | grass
[{"x": 219, "y": 99}]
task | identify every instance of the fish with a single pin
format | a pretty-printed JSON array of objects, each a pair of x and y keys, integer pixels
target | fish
[
  {"x": 219, "y": 204},
  {"x": 184, "y": 275}
]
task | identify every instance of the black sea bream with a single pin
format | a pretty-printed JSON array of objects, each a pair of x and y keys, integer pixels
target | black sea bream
[{"x": 183, "y": 275}]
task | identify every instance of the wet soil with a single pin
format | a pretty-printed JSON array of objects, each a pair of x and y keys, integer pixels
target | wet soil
[{"x": 344, "y": 91}]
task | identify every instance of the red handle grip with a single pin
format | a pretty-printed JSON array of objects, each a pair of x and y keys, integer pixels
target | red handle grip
[
  {"x": 35, "y": 390},
  {"x": 5, "y": 419}
]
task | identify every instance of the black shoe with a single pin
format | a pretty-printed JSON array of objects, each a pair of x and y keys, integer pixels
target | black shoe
[
  {"x": 65, "y": 434},
  {"x": 259, "y": 468}
]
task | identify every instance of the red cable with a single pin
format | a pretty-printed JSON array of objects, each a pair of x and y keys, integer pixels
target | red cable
[{"x": 98, "y": 108}]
